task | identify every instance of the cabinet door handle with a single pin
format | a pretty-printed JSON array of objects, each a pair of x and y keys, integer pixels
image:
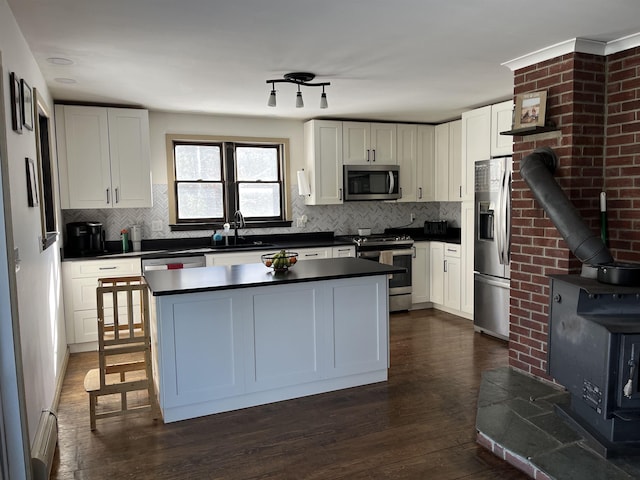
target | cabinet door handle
[
  {"x": 107, "y": 268},
  {"x": 445, "y": 265},
  {"x": 340, "y": 194},
  {"x": 419, "y": 193},
  {"x": 413, "y": 253},
  {"x": 117, "y": 196},
  {"x": 460, "y": 191},
  {"x": 374, "y": 154},
  {"x": 368, "y": 159},
  {"x": 108, "y": 196},
  {"x": 310, "y": 254}
]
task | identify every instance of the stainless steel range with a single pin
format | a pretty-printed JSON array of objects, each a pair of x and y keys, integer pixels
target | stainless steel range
[{"x": 396, "y": 250}]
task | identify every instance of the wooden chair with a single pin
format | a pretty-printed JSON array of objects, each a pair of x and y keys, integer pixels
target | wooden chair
[{"x": 124, "y": 348}]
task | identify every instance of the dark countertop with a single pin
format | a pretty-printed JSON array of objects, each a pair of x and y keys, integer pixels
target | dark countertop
[
  {"x": 198, "y": 246},
  {"x": 453, "y": 235},
  {"x": 208, "y": 279}
]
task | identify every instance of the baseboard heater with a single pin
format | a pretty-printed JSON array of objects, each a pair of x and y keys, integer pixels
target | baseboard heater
[{"x": 44, "y": 446}]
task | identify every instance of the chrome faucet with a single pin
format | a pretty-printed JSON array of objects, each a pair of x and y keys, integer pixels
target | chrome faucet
[{"x": 238, "y": 222}]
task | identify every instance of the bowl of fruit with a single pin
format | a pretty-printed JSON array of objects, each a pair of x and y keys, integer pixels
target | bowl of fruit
[{"x": 280, "y": 261}]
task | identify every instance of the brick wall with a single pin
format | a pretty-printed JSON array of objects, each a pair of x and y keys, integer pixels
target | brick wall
[
  {"x": 578, "y": 89},
  {"x": 622, "y": 164}
]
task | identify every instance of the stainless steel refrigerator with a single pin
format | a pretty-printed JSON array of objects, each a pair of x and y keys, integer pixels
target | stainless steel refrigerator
[{"x": 492, "y": 229}]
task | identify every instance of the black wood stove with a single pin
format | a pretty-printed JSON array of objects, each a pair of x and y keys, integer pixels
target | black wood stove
[
  {"x": 594, "y": 324},
  {"x": 594, "y": 348}
]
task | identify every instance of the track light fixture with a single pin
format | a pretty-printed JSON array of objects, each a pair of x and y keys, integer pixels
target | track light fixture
[{"x": 298, "y": 78}]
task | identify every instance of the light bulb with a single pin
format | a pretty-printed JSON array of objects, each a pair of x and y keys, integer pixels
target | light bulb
[
  {"x": 323, "y": 100},
  {"x": 299, "y": 102},
  {"x": 272, "y": 96}
]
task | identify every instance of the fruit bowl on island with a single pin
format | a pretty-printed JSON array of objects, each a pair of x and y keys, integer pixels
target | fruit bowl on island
[{"x": 280, "y": 261}]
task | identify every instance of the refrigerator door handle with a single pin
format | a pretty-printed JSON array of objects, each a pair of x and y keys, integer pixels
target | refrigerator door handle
[
  {"x": 507, "y": 227},
  {"x": 504, "y": 219},
  {"x": 499, "y": 224}
]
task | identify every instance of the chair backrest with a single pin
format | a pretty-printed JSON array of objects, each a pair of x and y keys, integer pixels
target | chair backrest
[{"x": 123, "y": 324}]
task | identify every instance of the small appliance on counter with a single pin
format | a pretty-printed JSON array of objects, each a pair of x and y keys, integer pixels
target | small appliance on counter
[
  {"x": 136, "y": 237},
  {"x": 439, "y": 227},
  {"x": 85, "y": 238}
]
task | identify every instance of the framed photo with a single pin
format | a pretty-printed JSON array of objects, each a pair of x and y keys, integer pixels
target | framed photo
[
  {"x": 530, "y": 110},
  {"x": 32, "y": 183},
  {"x": 16, "y": 106},
  {"x": 27, "y": 105}
]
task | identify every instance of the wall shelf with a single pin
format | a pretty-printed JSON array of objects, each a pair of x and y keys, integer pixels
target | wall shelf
[{"x": 531, "y": 130}]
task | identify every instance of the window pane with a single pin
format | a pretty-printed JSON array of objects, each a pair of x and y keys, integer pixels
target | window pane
[
  {"x": 259, "y": 199},
  {"x": 200, "y": 200},
  {"x": 198, "y": 162},
  {"x": 257, "y": 163}
]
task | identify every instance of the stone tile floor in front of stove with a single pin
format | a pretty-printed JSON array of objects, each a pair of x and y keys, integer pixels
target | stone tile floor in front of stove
[{"x": 517, "y": 421}]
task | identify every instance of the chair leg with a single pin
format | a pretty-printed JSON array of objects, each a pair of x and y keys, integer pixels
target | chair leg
[{"x": 92, "y": 410}]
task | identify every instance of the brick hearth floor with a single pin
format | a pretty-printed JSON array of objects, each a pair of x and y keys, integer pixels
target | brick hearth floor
[{"x": 517, "y": 422}]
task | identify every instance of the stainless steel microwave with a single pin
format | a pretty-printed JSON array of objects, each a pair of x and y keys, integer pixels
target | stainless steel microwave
[{"x": 371, "y": 182}]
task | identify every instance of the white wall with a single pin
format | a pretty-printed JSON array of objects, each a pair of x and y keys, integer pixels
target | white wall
[
  {"x": 40, "y": 310},
  {"x": 162, "y": 123}
]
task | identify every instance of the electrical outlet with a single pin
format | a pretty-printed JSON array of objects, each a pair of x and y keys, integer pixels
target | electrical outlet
[
  {"x": 156, "y": 225},
  {"x": 412, "y": 217}
]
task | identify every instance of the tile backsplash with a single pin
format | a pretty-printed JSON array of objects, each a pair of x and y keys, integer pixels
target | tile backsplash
[{"x": 342, "y": 219}]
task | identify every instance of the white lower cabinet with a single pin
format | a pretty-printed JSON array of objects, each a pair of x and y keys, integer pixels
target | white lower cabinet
[
  {"x": 234, "y": 258},
  {"x": 436, "y": 265},
  {"x": 420, "y": 273},
  {"x": 313, "y": 253},
  {"x": 445, "y": 275},
  {"x": 344, "y": 251},
  {"x": 80, "y": 280},
  {"x": 467, "y": 258},
  {"x": 452, "y": 276}
]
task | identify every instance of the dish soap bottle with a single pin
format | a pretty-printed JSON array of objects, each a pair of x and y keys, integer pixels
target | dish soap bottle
[{"x": 124, "y": 235}]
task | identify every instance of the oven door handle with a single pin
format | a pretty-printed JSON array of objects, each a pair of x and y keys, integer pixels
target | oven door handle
[{"x": 375, "y": 254}]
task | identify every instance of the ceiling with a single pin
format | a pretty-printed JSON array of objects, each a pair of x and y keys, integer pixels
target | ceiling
[{"x": 402, "y": 60}]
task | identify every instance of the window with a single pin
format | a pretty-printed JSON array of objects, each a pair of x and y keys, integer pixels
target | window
[
  {"x": 211, "y": 178},
  {"x": 47, "y": 179}
]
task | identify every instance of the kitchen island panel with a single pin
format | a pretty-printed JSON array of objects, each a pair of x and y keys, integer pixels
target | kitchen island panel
[
  {"x": 286, "y": 335},
  {"x": 201, "y": 340},
  {"x": 360, "y": 327}
]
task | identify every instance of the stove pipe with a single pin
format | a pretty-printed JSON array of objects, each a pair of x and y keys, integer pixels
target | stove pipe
[{"x": 537, "y": 170}]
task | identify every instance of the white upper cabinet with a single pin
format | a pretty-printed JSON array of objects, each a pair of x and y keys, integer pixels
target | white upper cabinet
[
  {"x": 425, "y": 180},
  {"x": 369, "y": 143},
  {"x": 408, "y": 162},
  {"x": 501, "y": 121},
  {"x": 455, "y": 161},
  {"x": 104, "y": 157},
  {"x": 323, "y": 160},
  {"x": 476, "y": 143},
  {"x": 448, "y": 182}
]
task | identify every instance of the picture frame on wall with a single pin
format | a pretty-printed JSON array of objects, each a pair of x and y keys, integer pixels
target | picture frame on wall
[
  {"x": 26, "y": 105},
  {"x": 32, "y": 183},
  {"x": 530, "y": 110},
  {"x": 16, "y": 105}
]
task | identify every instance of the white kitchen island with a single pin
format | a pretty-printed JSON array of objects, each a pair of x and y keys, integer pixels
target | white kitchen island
[{"x": 226, "y": 338}]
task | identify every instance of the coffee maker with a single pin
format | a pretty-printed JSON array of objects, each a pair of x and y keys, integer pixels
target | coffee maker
[{"x": 85, "y": 239}]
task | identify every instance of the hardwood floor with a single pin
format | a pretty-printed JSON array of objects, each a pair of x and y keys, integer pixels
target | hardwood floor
[{"x": 418, "y": 425}]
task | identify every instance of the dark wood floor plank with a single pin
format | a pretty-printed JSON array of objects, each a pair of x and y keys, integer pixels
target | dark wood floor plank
[{"x": 418, "y": 425}]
